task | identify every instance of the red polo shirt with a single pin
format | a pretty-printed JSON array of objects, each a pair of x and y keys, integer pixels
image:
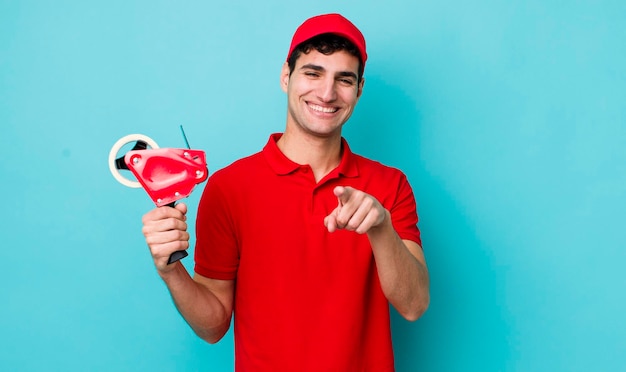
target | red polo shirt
[{"x": 305, "y": 299}]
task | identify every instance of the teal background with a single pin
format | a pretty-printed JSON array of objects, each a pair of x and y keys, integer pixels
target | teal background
[{"x": 508, "y": 117}]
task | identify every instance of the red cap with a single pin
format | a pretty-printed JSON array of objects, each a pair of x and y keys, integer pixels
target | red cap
[{"x": 329, "y": 24}]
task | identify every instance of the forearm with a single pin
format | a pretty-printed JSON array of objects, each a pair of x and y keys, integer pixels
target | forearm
[
  {"x": 403, "y": 274},
  {"x": 201, "y": 308}
]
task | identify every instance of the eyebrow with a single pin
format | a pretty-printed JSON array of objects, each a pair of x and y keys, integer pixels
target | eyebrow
[
  {"x": 312, "y": 67},
  {"x": 348, "y": 74},
  {"x": 319, "y": 68}
]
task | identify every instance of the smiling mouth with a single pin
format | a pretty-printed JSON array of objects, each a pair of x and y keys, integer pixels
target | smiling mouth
[{"x": 322, "y": 109}]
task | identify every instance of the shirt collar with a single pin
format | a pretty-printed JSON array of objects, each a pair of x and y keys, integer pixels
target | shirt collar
[{"x": 282, "y": 165}]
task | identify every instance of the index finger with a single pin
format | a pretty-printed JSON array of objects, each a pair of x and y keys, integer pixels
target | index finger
[{"x": 343, "y": 193}]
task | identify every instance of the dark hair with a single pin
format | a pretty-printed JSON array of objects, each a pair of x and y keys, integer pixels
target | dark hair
[{"x": 326, "y": 44}]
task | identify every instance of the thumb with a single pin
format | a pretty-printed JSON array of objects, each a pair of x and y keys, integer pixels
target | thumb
[
  {"x": 330, "y": 221},
  {"x": 182, "y": 207}
]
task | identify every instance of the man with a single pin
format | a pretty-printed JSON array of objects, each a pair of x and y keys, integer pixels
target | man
[{"x": 305, "y": 242}]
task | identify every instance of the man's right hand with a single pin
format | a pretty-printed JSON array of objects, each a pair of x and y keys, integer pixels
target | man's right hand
[{"x": 165, "y": 229}]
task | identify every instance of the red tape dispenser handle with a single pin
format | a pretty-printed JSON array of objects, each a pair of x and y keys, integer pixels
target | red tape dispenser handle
[{"x": 167, "y": 174}]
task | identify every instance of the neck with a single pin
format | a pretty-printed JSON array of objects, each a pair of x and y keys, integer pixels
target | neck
[{"x": 321, "y": 154}]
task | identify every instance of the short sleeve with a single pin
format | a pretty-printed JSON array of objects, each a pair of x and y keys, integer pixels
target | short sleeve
[
  {"x": 404, "y": 212},
  {"x": 216, "y": 250}
]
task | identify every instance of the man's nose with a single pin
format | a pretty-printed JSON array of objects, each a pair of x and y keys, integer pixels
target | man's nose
[{"x": 327, "y": 90}]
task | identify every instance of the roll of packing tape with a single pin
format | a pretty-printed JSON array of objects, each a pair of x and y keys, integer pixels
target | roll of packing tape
[{"x": 113, "y": 156}]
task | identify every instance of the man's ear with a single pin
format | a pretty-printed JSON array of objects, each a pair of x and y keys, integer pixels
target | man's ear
[
  {"x": 284, "y": 77},
  {"x": 360, "y": 91}
]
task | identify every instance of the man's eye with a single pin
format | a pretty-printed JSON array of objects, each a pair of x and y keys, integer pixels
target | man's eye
[
  {"x": 312, "y": 74},
  {"x": 347, "y": 81}
]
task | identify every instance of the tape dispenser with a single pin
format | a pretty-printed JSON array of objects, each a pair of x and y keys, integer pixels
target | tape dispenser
[{"x": 166, "y": 174}]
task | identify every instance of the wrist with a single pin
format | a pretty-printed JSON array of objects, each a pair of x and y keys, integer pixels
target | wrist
[
  {"x": 383, "y": 226},
  {"x": 170, "y": 272}
]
